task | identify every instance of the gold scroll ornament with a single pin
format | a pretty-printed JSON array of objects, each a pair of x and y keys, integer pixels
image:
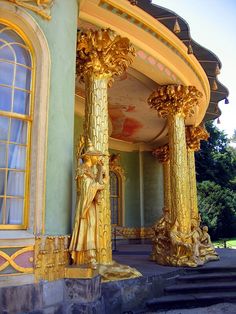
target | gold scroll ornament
[{"x": 41, "y": 7}]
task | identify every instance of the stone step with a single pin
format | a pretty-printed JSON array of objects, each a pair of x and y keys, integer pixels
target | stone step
[
  {"x": 182, "y": 301},
  {"x": 201, "y": 287},
  {"x": 210, "y": 269},
  {"x": 214, "y": 276}
]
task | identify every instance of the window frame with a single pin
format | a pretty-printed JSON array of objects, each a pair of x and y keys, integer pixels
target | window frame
[
  {"x": 120, "y": 198},
  {"x": 29, "y": 119}
]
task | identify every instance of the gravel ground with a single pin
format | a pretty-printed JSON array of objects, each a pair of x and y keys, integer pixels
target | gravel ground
[{"x": 220, "y": 308}]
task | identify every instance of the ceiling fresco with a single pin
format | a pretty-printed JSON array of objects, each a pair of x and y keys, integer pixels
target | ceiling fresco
[{"x": 132, "y": 119}]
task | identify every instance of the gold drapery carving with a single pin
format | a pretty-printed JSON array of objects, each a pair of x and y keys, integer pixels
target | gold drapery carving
[
  {"x": 41, "y": 7},
  {"x": 178, "y": 242},
  {"x": 101, "y": 54}
]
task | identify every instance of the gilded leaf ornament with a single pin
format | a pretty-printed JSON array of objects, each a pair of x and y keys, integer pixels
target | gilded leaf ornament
[
  {"x": 174, "y": 99},
  {"x": 102, "y": 53},
  {"x": 194, "y": 135},
  {"x": 41, "y": 7},
  {"x": 161, "y": 153}
]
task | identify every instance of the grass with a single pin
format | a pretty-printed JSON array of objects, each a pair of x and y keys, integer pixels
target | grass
[{"x": 230, "y": 243}]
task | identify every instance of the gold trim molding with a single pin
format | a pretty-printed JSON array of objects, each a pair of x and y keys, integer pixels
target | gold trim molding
[{"x": 40, "y": 7}]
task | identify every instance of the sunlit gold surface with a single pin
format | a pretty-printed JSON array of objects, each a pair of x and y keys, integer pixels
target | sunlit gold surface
[
  {"x": 103, "y": 53},
  {"x": 80, "y": 272},
  {"x": 174, "y": 99},
  {"x": 178, "y": 238},
  {"x": 41, "y": 7},
  {"x": 51, "y": 256},
  {"x": 116, "y": 271}
]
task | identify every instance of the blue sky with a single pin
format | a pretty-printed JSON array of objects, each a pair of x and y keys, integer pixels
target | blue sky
[{"x": 213, "y": 25}]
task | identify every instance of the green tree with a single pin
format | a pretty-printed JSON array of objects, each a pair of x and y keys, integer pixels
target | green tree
[
  {"x": 216, "y": 161},
  {"x": 217, "y": 206}
]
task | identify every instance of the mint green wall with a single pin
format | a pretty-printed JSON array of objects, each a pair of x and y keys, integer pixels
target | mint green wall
[
  {"x": 152, "y": 188},
  {"x": 61, "y": 33},
  {"x": 130, "y": 163}
]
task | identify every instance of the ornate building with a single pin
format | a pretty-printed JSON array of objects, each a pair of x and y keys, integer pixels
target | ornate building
[{"x": 125, "y": 78}]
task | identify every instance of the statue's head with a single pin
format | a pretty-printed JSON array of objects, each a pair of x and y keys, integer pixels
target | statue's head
[
  {"x": 92, "y": 154},
  {"x": 205, "y": 228}
]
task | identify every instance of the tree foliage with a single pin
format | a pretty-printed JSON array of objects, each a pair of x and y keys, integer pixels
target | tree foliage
[
  {"x": 216, "y": 176},
  {"x": 217, "y": 206},
  {"x": 216, "y": 161}
]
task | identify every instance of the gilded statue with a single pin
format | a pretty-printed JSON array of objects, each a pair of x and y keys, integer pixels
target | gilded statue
[{"x": 91, "y": 180}]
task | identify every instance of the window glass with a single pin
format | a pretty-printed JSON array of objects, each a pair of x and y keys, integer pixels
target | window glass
[
  {"x": 15, "y": 95},
  {"x": 4, "y": 128},
  {"x": 6, "y": 73},
  {"x": 114, "y": 198},
  {"x": 5, "y": 98}
]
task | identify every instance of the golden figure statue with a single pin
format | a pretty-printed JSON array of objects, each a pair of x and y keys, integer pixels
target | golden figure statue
[{"x": 90, "y": 179}]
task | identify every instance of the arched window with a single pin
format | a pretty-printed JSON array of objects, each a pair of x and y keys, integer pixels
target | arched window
[
  {"x": 115, "y": 198},
  {"x": 15, "y": 127}
]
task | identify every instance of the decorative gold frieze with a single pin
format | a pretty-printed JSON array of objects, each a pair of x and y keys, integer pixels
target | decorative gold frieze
[
  {"x": 51, "y": 257},
  {"x": 20, "y": 261},
  {"x": 102, "y": 53},
  {"x": 174, "y": 99},
  {"x": 194, "y": 135},
  {"x": 41, "y": 7}
]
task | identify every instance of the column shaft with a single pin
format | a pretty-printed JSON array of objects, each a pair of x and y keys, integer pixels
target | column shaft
[
  {"x": 178, "y": 172},
  {"x": 167, "y": 190},
  {"x": 96, "y": 129},
  {"x": 192, "y": 184}
]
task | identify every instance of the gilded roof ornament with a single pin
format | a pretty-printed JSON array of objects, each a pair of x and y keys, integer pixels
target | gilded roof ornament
[
  {"x": 41, "y": 7},
  {"x": 102, "y": 53},
  {"x": 174, "y": 99}
]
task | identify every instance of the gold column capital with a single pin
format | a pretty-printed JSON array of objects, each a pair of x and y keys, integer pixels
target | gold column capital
[
  {"x": 162, "y": 153},
  {"x": 174, "y": 99},
  {"x": 102, "y": 53},
  {"x": 194, "y": 135}
]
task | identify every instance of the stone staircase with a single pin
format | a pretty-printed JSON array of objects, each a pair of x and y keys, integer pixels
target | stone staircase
[{"x": 203, "y": 286}]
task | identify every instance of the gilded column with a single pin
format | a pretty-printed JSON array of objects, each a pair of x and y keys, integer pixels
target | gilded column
[
  {"x": 101, "y": 55},
  {"x": 174, "y": 243},
  {"x": 162, "y": 154},
  {"x": 193, "y": 137},
  {"x": 175, "y": 102}
]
